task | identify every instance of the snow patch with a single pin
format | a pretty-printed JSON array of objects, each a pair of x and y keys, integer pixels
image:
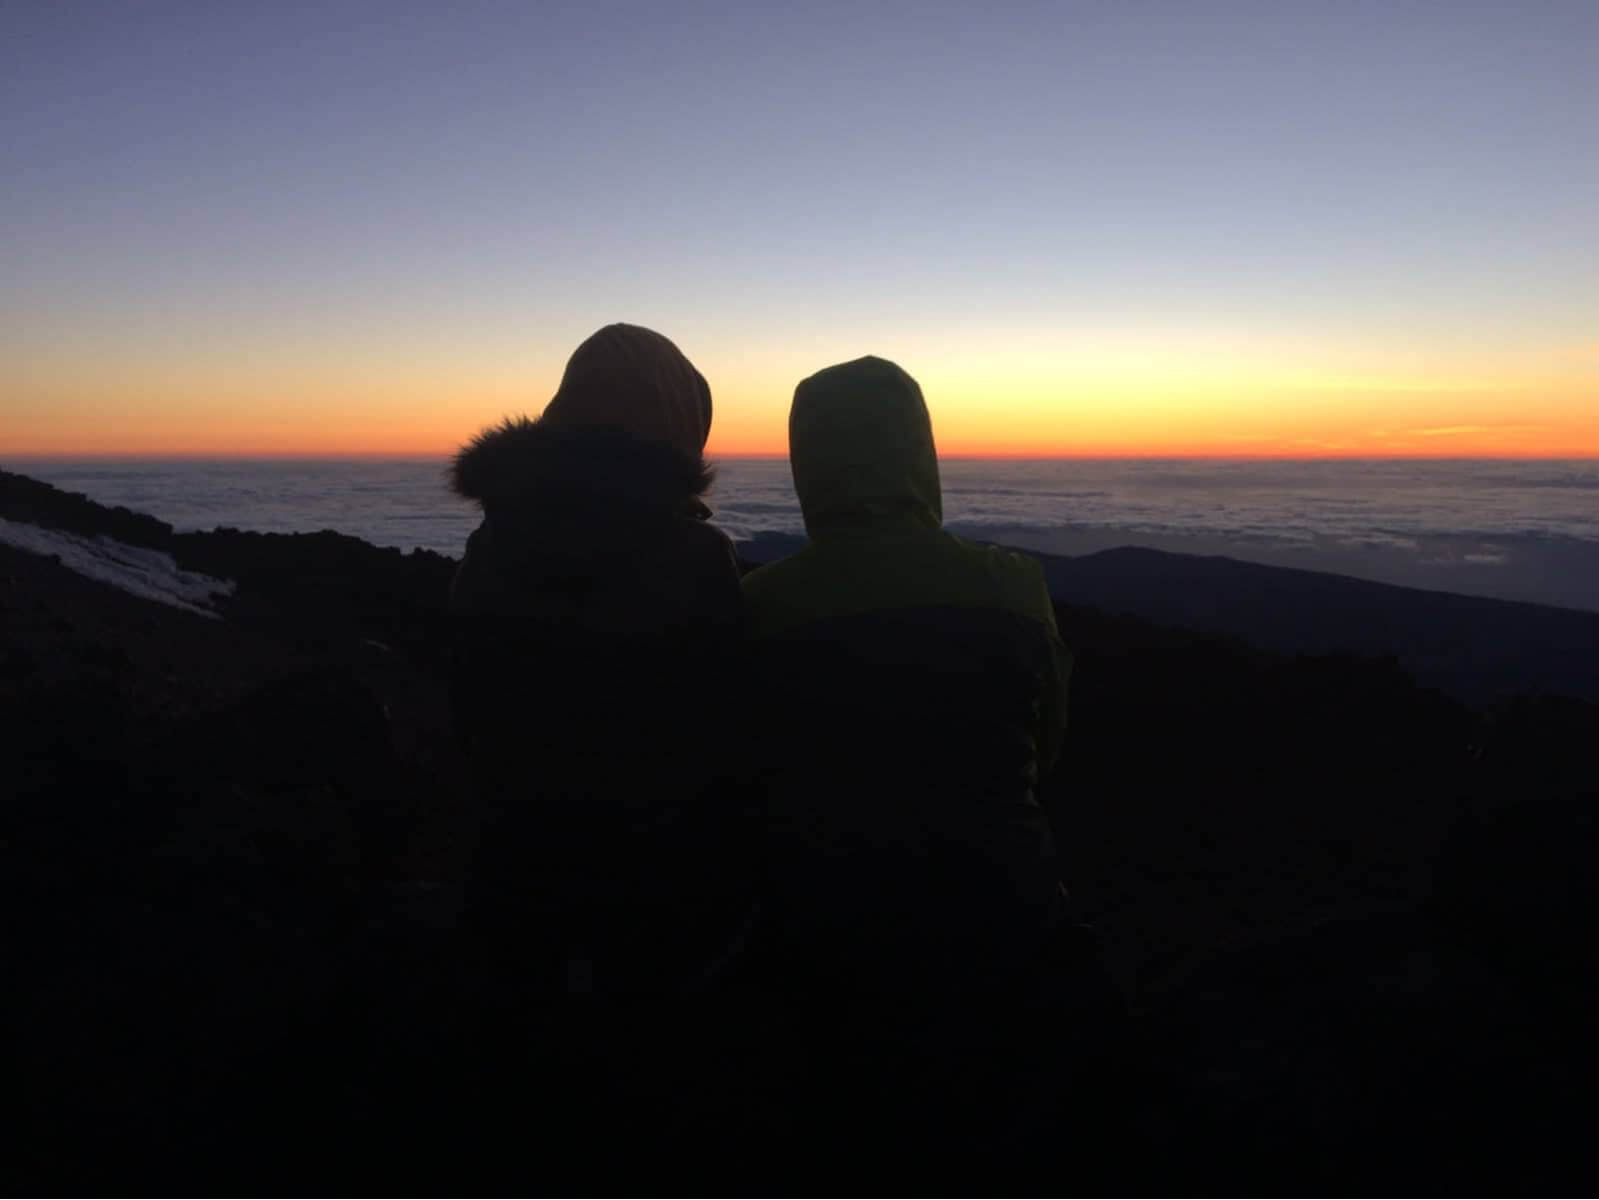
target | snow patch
[{"x": 149, "y": 574}]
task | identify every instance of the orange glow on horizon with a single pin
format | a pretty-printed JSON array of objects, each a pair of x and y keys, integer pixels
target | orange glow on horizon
[
  {"x": 994, "y": 396},
  {"x": 1420, "y": 444},
  {"x": 948, "y": 448}
]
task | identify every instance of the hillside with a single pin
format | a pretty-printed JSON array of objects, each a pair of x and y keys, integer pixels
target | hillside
[{"x": 1350, "y": 908}]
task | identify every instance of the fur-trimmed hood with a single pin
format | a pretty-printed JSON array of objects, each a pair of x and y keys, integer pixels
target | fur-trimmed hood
[
  {"x": 522, "y": 460},
  {"x": 630, "y": 378},
  {"x": 592, "y": 526}
]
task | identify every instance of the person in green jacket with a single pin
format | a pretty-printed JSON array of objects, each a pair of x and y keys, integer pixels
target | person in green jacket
[{"x": 916, "y": 691}]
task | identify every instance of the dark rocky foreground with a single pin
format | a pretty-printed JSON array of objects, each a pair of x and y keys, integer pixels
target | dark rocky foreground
[{"x": 1352, "y": 911}]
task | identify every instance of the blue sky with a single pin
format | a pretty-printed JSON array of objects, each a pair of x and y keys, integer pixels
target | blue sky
[{"x": 293, "y": 185}]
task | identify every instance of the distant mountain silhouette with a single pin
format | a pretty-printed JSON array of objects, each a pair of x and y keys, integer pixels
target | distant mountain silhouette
[{"x": 1475, "y": 648}]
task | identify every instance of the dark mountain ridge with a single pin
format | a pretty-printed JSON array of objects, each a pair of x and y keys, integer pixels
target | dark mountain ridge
[{"x": 1352, "y": 910}]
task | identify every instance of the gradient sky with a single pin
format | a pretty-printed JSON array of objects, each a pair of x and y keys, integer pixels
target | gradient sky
[{"x": 1120, "y": 227}]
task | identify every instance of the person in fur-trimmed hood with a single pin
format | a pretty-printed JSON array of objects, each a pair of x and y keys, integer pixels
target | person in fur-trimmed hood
[
  {"x": 596, "y": 612},
  {"x": 612, "y": 474}
]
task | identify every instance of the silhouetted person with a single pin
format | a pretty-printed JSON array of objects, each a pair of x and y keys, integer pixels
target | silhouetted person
[
  {"x": 917, "y": 689},
  {"x": 595, "y": 613}
]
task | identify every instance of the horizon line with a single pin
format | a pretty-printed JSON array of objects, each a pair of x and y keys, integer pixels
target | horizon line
[{"x": 768, "y": 455}]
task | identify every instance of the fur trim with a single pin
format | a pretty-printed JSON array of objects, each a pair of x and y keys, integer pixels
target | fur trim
[{"x": 521, "y": 457}]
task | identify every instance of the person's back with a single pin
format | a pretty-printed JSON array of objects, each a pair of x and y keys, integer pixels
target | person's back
[
  {"x": 916, "y": 689},
  {"x": 595, "y": 613}
]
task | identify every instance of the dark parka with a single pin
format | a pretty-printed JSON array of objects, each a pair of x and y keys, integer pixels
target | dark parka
[{"x": 595, "y": 614}]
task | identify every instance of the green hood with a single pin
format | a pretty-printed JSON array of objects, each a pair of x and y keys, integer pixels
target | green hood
[{"x": 861, "y": 448}]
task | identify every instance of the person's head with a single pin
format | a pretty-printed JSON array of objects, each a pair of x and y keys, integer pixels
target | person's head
[
  {"x": 632, "y": 379},
  {"x": 860, "y": 445},
  {"x": 630, "y": 418}
]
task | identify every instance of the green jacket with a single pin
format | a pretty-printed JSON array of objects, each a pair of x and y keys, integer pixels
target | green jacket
[
  {"x": 867, "y": 478},
  {"x": 916, "y": 687}
]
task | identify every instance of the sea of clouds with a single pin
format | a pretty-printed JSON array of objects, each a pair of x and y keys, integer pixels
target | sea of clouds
[{"x": 1514, "y": 529}]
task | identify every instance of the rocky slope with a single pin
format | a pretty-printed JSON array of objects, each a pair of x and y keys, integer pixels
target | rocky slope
[{"x": 1350, "y": 910}]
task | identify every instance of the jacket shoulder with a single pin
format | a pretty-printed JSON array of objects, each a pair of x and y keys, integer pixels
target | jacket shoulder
[
  {"x": 769, "y": 578},
  {"x": 822, "y": 582},
  {"x": 1015, "y": 580}
]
